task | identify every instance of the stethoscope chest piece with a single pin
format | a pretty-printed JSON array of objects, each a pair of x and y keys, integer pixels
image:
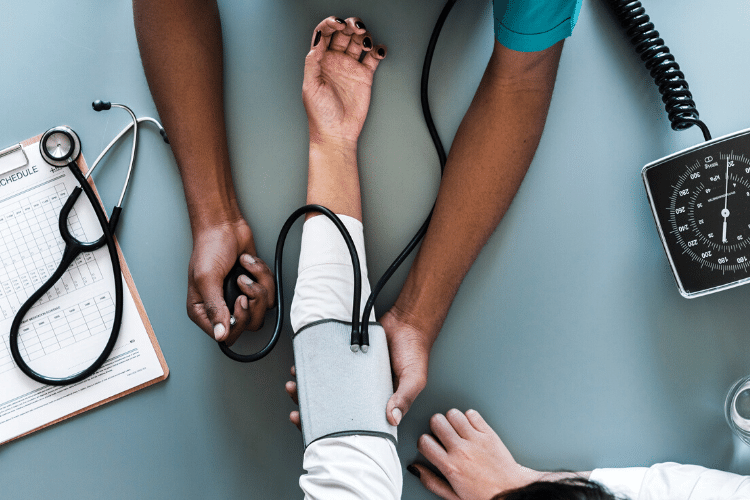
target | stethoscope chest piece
[{"x": 60, "y": 146}]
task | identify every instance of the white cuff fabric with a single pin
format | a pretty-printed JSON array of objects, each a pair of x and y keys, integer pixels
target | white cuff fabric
[{"x": 325, "y": 278}]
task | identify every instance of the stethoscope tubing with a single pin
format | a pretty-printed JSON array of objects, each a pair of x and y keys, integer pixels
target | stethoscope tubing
[{"x": 73, "y": 248}]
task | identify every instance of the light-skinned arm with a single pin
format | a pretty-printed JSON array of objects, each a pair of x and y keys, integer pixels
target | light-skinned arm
[
  {"x": 476, "y": 465},
  {"x": 491, "y": 153},
  {"x": 474, "y": 461},
  {"x": 181, "y": 49}
]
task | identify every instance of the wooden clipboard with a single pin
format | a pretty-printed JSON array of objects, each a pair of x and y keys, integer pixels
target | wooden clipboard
[{"x": 81, "y": 162}]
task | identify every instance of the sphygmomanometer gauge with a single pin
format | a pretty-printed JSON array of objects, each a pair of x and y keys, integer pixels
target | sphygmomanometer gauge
[{"x": 700, "y": 198}]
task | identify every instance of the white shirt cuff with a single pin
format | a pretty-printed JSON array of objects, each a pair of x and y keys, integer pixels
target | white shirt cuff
[{"x": 621, "y": 482}]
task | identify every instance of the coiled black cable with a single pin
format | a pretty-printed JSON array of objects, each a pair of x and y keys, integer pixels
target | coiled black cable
[
  {"x": 365, "y": 339},
  {"x": 676, "y": 95}
]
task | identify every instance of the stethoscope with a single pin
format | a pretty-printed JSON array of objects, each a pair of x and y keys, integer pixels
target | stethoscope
[{"x": 61, "y": 147}]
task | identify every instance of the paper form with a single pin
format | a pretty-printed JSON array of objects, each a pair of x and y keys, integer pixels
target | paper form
[{"x": 68, "y": 327}]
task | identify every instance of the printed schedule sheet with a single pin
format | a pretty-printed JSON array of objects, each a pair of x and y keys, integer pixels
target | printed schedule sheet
[{"x": 68, "y": 327}]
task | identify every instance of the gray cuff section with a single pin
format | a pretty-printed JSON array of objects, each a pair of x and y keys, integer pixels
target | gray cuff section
[{"x": 342, "y": 392}]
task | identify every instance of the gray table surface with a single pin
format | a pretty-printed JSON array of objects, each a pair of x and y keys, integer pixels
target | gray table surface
[{"x": 568, "y": 334}]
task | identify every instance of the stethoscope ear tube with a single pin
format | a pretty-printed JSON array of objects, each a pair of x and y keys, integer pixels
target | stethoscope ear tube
[{"x": 278, "y": 265}]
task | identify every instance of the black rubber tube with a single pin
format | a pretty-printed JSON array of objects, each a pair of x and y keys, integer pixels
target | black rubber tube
[
  {"x": 441, "y": 157},
  {"x": 277, "y": 267}
]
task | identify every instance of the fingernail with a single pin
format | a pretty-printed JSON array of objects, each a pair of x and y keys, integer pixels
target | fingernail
[
  {"x": 367, "y": 43},
  {"x": 219, "y": 331},
  {"x": 247, "y": 258},
  {"x": 340, "y": 21},
  {"x": 397, "y": 415},
  {"x": 413, "y": 470},
  {"x": 245, "y": 280},
  {"x": 243, "y": 302},
  {"x": 360, "y": 25},
  {"x": 317, "y": 38},
  {"x": 381, "y": 52}
]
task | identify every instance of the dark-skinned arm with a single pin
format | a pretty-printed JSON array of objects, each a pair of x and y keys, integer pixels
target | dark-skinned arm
[
  {"x": 181, "y": 49},
  {"x": 491, "y": 153}
]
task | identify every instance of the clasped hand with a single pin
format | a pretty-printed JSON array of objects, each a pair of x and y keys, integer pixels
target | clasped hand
[{"x": 215, "y": 250}]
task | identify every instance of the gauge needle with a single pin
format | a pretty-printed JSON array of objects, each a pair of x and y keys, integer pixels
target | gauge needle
[{"x": 725, "y": 212}]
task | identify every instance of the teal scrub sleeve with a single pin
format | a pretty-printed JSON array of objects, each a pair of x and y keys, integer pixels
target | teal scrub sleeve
[{"x": 534, "y": 25}]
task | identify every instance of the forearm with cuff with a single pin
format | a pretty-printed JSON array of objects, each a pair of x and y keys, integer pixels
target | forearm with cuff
[{"x": 349, "y": 445}]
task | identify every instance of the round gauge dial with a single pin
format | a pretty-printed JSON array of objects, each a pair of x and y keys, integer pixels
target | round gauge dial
[
  {"x": 710, "y": 208},
  {"x": 701, "y": 202}
]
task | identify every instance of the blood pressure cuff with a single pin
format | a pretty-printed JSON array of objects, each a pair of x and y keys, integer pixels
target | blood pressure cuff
[{"x": 341, "y": 392}]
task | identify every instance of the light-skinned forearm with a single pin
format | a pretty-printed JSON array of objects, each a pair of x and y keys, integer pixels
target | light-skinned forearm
[
  {"x": 181, "y": 49},
  {"x": 333, "y": 178},
  {"x": 489, "y": 158}
]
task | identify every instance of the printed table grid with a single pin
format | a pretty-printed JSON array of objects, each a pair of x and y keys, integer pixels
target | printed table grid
[
  {"x": 60, "y": 329},
  {"x": 6, "y": 361},
  {"x": 31, "y": 246}
]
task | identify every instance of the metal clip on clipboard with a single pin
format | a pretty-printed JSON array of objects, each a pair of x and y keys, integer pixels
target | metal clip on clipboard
[{"x": 13, "y": 158}]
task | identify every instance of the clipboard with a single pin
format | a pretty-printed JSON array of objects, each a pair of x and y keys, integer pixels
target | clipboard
[{"x": 15, "y": 159}]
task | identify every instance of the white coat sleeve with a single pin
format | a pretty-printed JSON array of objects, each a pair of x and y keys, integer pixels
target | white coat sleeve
[{"x": 672, "y": 481}]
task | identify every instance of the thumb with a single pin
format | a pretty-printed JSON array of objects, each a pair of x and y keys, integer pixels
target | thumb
[
  {"x": 409, "y": 384},
  {"x": 317, "y": 48},
  {"x": 217, "y": 312}
]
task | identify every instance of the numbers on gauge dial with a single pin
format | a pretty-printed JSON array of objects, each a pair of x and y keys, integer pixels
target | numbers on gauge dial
[{"x": 710, "y": 211}]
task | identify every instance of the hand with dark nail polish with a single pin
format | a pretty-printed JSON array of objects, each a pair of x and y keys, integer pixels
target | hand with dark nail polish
[
  {"x": 413, "y": 470},
  {"x": 338, "y": 77},
  {"x": 360, "y": 25}
]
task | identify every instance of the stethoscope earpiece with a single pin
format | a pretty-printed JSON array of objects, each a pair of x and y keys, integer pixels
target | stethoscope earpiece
[{"x": 99, "y": 105}]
